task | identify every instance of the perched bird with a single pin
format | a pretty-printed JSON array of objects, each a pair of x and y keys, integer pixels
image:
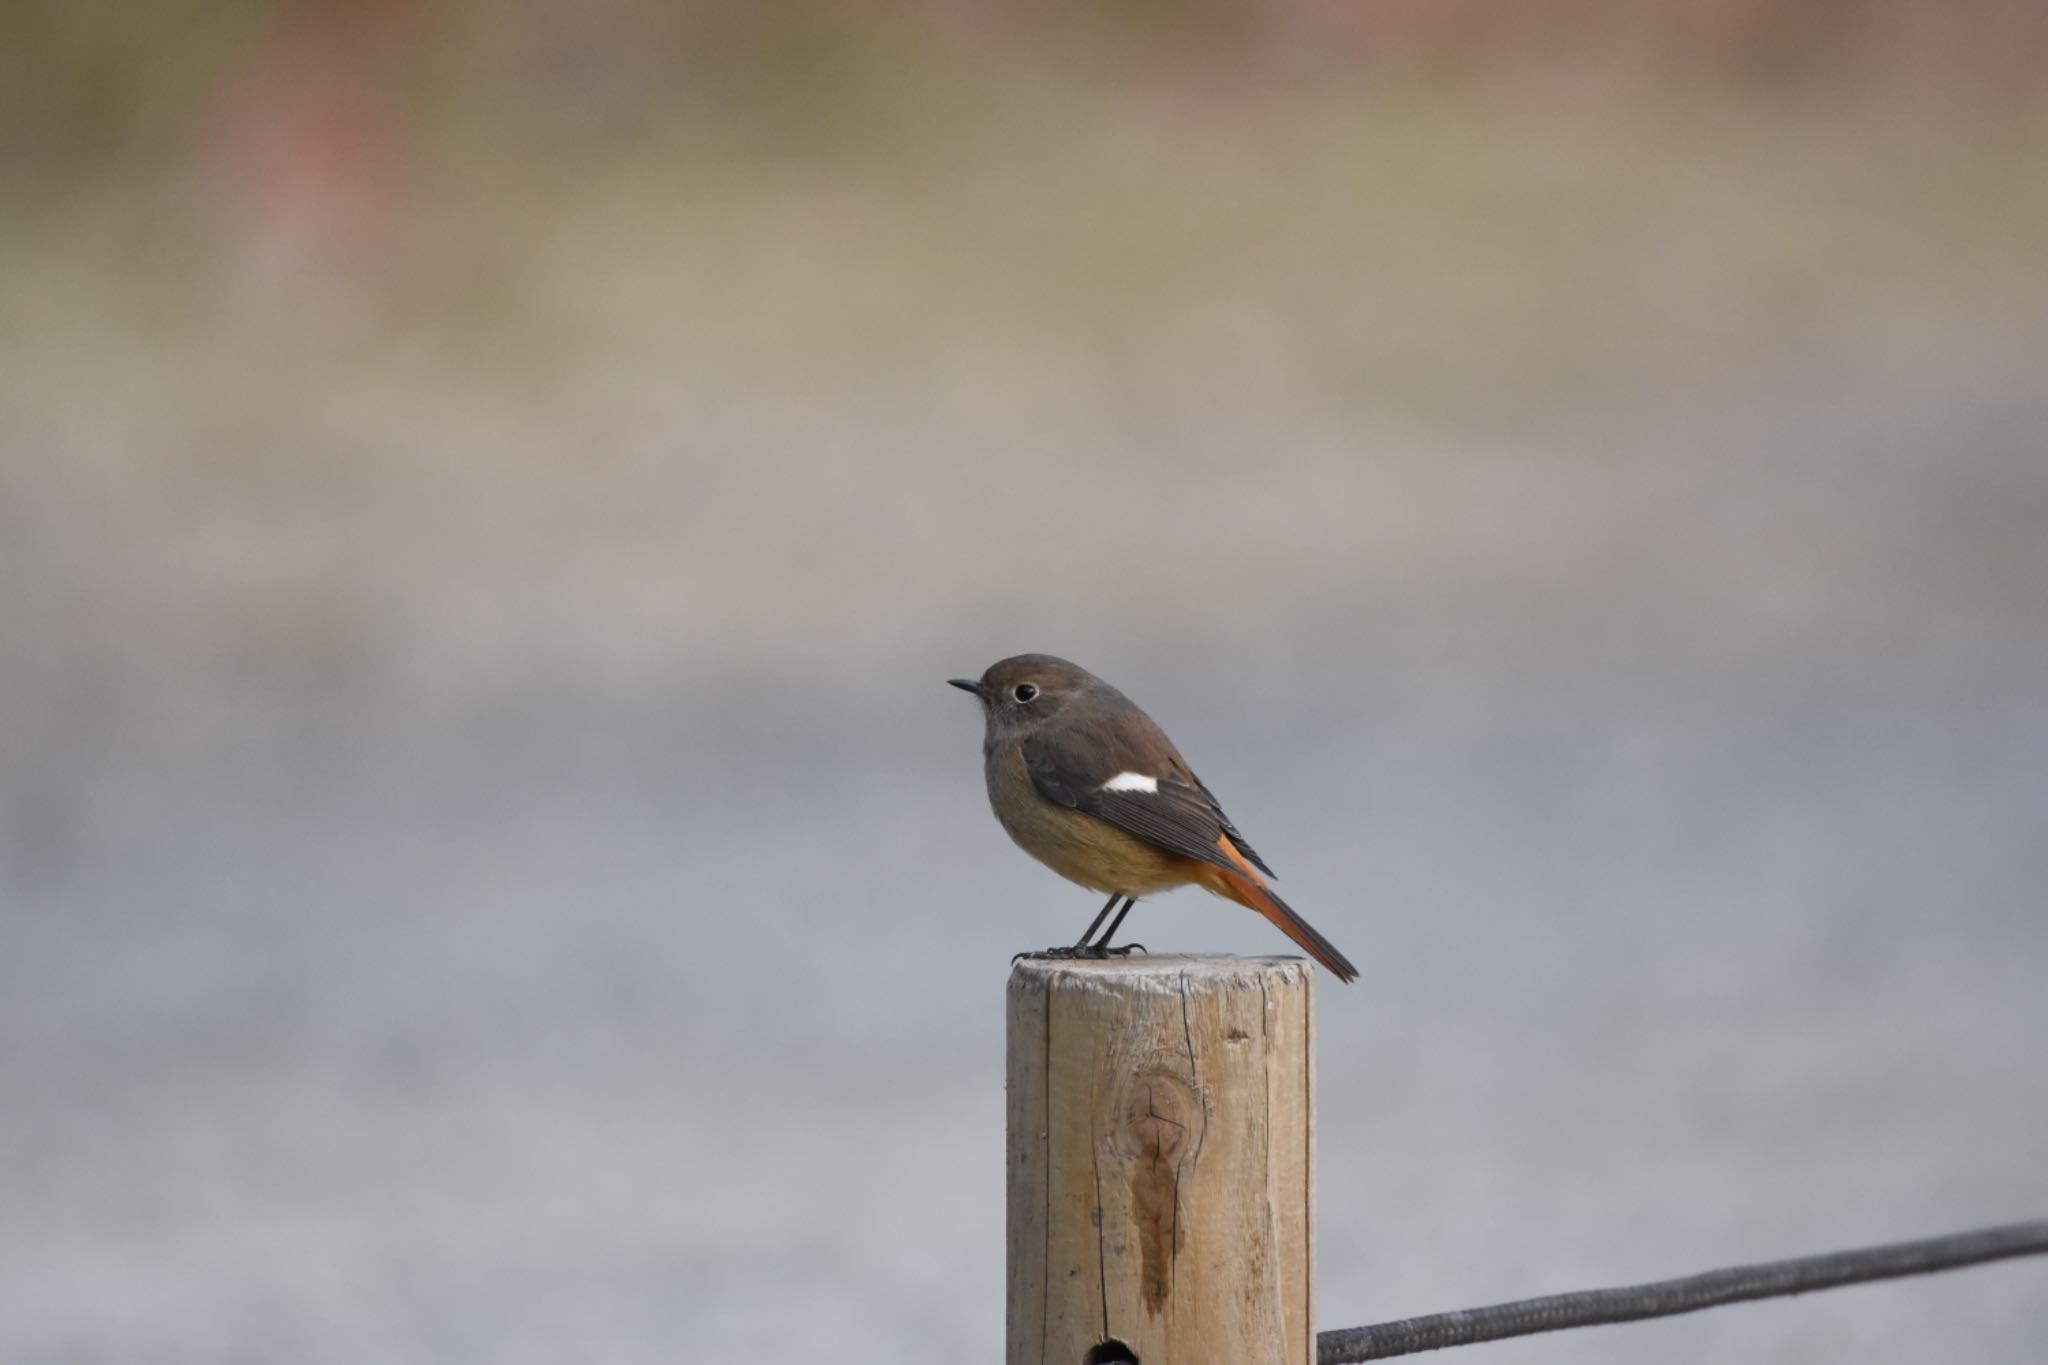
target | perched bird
[{"x": 1086, "y": 783}]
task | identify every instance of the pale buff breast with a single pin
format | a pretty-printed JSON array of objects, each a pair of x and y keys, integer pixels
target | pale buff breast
[{"x": 1079, "y": 847}]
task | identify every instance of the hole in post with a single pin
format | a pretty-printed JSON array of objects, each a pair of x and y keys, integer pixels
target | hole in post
[{"x": 1111, "y": 1352}]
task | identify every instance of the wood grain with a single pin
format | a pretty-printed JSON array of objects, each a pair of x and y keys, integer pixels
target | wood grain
[{"x": 1160, "y": 1160}]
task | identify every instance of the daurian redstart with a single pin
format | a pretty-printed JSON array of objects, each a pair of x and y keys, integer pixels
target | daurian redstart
[{"x": 1086, "y": 783}]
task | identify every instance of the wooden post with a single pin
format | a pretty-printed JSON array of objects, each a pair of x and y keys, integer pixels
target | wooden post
[{"x": 1162, "y": 1141}]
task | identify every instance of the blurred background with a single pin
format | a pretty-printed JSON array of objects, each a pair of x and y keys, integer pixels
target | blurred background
[{"x": 490, "y": 495}]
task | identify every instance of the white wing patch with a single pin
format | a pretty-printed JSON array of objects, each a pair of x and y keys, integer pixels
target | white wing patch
[{"x": 1132, "y": 782}]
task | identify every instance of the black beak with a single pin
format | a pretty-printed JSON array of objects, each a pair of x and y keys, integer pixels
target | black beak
[{"x": 966, "y": 685}]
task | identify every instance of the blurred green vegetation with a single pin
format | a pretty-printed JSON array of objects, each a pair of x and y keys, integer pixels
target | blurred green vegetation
[
  {"x": 97, "y": 86},
  {"x": 270, "y": 215}
]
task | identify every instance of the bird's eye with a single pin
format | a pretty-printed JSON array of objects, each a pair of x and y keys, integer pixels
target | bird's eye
[{"x": 1024, "y": 691}]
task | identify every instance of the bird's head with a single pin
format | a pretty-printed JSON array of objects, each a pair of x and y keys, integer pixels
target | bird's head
[{"x": 1022, "y": 692}]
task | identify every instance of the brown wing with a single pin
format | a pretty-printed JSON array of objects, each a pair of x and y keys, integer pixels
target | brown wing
[{"x": 1181, "y": 817}]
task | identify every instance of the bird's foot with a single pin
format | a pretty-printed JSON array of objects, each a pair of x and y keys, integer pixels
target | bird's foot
[
  {"x": 1066, "y": 953},
  {"x": 1080, "y": 952}
]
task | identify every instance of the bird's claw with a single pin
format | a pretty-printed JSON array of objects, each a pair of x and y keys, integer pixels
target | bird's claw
[
  {"x": 1080, "y": 952},
  {"x": 1063, "y": 953}
]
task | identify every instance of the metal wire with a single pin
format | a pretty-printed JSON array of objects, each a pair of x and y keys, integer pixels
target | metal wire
[{"x": 1663, "y": 1298}]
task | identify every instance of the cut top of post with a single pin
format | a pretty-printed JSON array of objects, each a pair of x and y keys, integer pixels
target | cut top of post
[{"x": 1162, "y": 971}]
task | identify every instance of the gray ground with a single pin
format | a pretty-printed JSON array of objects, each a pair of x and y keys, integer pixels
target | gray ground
[{"x": 1686, "y": 814}]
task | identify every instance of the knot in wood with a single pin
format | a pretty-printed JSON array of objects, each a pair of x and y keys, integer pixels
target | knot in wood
[{"x": 1160, "y": 1119}]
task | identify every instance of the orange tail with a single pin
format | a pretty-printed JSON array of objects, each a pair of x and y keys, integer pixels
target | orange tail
[{"x": 1248, "y": 888}]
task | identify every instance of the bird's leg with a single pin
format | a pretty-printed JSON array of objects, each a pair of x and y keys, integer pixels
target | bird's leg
[
  {"x": 1084, "y": 948},
  {"x": 1101, "y": 948},
  {"x": 1096, "y": 923}
]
